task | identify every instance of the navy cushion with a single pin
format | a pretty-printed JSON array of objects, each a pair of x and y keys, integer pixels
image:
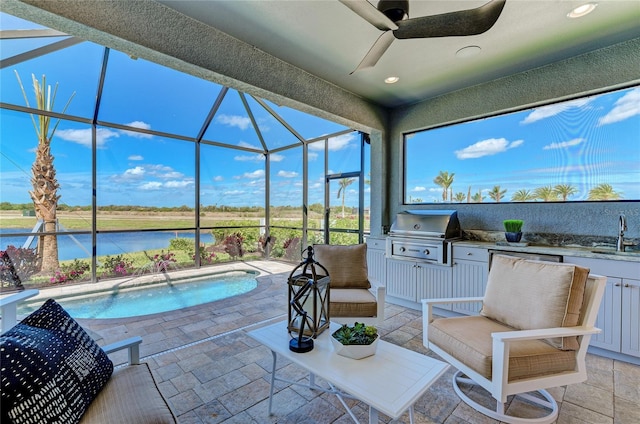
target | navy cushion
[{"x": 51, "y": 368}]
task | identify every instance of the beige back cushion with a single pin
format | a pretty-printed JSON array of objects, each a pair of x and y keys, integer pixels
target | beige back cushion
[
  {"x": 527, "y": 295},
  {"x": 347, "y": 265}
]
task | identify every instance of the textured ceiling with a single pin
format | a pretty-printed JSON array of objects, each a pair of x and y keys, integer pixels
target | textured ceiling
[{"x": 328, "y": 40}]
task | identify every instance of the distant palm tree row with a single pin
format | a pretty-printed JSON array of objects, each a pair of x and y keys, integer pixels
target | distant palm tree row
[{"x": 557, "y": 193}]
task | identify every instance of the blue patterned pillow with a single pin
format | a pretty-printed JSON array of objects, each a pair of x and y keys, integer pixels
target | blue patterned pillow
[{"x": 51, "y": 369}]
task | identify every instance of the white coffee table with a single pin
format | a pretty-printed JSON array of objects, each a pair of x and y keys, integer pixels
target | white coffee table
[{"x": 389, "y": 382}]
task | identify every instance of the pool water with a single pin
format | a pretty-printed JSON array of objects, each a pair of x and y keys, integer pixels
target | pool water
[{"x": 158, "y": 297}]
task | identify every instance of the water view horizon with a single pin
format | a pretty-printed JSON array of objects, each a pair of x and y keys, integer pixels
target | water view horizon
[{"x": 79, "y": 247}]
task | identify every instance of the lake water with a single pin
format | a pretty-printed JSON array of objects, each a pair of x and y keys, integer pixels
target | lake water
[{"x": 108, "y": 244}]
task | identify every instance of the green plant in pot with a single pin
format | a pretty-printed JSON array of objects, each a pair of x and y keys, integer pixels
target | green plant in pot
[
  {"x": 513, "y": 230},
  {"x": 357, "y": 341}
]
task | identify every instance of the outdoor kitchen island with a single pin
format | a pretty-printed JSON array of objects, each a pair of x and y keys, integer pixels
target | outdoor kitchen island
[{"x": 465, "y": 275}]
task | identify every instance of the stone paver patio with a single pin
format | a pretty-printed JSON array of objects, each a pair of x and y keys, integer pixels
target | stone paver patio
[{"x": 212, "y": 372}]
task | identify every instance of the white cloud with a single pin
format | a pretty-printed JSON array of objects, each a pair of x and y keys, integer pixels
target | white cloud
[
  {"x": 625, "y": 107},
  {"x": 233, "y": 192},
  {"x": 83, "y": 136},
  {"x": 151, "y": 185},
  {"x": 136, "y": 172},
  {"x": 516, "y": 143},
  {"x": 242, "y": 143},
  {"x": 249, "y": 158},
  {"x": 555, "y": 109},
  {"x": 274, "y": 157},
  {"x": 335, "y": 143},
  {"x": 135, "y": 157},
  {"x": 172, "y": 174},
  {"x": 103, "y": 135},
  {"x": 563, "y": 144},
  {"x": 218, "y": 178},
  {"x": 258, "y": 173},
  {"x": 487, "y": 147},
  {"x": 312, "y": 156},
  {"x": 138, "y": 124},
  {"x": 287, "y": 174},
  {"x": 418, "y": 188},
  {"x": 178, "y": 184},
  {"x": 163, "y": 171},
  {"x": 242, "y": 122}
]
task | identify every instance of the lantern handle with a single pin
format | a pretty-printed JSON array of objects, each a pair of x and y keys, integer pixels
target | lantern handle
[{"x": 308, "y": 260}]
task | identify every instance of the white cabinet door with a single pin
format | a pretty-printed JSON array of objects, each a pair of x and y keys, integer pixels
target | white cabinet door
[
  {"x": 469, "y": 280},
  {"x": 630, "y": 317},
  {"x": 415, "y": 281},
  {"x": 401, "y": 279},
  {"x": 377, "y": 265},
  {"x": 470, "y": 271},
  {"x": 619, "y": 313},
  {"x": 609, "y": 317},
  {"x": 432, "y": 282}
]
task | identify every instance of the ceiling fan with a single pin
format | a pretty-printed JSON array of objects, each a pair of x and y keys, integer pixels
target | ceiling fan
[{"x": 392, "y": 17}]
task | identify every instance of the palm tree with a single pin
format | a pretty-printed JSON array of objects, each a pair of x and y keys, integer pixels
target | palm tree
[
  {"x": 45, "y": 185},
  {"x": 460, "y": 197},
  {"x": 478, "y": 197},
  {"x": 603, "y": 192},
  {"x": 546, "y": 194},
  {"x": 496, "y": 194},
  {"x": 444, "y": 180},
  {"x": 344, "y": 183},
  {"x": 523, "y": 196},
  {"x": 565, "y": 190}
]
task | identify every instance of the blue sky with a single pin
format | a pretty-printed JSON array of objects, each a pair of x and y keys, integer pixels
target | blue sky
[
  {"x": 583, "y": 142},
  {"x": 137, "y": 168}
]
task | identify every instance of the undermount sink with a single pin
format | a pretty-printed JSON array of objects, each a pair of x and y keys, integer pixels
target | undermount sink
[{"x": 614, "y": 252}]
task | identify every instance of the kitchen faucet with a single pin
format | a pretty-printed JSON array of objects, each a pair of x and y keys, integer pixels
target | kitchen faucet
[{"x": 622, "y": 227}]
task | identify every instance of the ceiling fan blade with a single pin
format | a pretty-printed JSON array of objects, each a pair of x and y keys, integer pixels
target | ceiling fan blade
[
  {"x": 460, "y": 23},
  {"x": 371, "y": 14},
  {"x": 376, "y": 51}
]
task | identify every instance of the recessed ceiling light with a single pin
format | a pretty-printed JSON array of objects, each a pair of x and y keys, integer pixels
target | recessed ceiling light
[
  {"x": 583, "y": 10},
  {"x": 391, "y": 80},
  {"x": 468, "y": 51}
]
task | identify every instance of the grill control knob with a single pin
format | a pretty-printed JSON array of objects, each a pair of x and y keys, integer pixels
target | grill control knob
[{"x": 426, "y": 251}]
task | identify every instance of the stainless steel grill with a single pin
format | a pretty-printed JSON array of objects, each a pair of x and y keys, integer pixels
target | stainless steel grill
[{"x": 424, "y": 235}]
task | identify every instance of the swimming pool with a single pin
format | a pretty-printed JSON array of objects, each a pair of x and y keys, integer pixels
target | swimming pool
[{"x": 154, "y": 298}]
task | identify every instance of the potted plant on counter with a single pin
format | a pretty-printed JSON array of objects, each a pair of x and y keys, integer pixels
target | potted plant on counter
[
  {"x": 357, "y": 341},
  {"x": 513, "y": 230}
]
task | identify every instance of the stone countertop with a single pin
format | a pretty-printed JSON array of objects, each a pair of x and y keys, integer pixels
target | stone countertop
[{"x": 577, "y": 251}]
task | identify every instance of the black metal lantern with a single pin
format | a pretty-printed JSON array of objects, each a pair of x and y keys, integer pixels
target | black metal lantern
[{"x": 308, "y": 302}]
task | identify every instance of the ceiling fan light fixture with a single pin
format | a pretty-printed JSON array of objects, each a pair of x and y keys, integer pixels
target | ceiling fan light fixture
[
  {"x": 391, "y": 80},
  {"x": 468, "y": 51},
  {"x": 396, "y": 10},
  {"x": 582, "y": 10}
]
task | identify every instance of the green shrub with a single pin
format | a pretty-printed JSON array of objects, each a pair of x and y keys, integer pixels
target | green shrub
[
  {"x": 181, "y": 243},
  {"x": 249, "y": 235},
  {"x": 118, "y": 265},
  {"x": 70, "y": 272},
  {"x": 206, "y": 257}
]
